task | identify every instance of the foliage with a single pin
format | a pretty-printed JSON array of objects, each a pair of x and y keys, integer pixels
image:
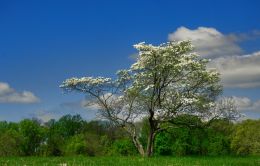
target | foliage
[
  {"x": 124, "y": 147},
  {"x": 187, "y": 135},
  {"x": 54, "y": 139},
  {"x": 32, "y": 134},
  {"x": 183, "y": 140},
  {"x": 246, "y": 138},
  {"x": 76, "y": 145},
  {"x": 10, "y": 143},
  {"x": 69, "y": 125},
  {"x": 219, "y": 137}
]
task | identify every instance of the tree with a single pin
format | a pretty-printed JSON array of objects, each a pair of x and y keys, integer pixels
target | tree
[
  {"x": 69, "y": 125},
  {"x": 10, "y": 143},
  {"x": 55, "y": 139},
  {"x": 246, "y": 138},
  {"x": 33, "y": 136},
  {"x": 166, "y": 81},
  {"x": 76, "y": 145}
]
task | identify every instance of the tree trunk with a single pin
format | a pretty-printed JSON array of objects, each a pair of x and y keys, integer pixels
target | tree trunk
[
  {"x": 151, "y": 136},
  {"x": 132, "y": 132},
  {"x": 138, "y": 145},
  {"x": 150, "y": 144}
]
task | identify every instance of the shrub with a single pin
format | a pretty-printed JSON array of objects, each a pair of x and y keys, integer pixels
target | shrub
[{"x": 124, "y": 147}]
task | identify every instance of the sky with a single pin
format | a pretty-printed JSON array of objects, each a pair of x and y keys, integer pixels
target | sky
[{"x": 44, "y": 42}]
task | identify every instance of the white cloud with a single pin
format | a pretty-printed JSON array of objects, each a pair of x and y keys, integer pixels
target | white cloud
[
  {"x": 10, "y": 95},
  {"x": 239, "y": 71},
  {"x": 244, "y": 104},
  {"x": 208, "y": 42}
]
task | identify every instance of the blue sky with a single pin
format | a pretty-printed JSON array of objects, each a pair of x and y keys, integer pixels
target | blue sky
[{"x": 44, "y": 42}]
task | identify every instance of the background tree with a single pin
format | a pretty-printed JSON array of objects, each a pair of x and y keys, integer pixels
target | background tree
[
  {"x": 33, "y": 136},
  {"x": 187, "y": 135},
  {"x": 54, "y": 139},
  {"x": 70, "y": 125},
  {"x": 246, "y": 138},
  {"x": 219, "y": 137},
  {"x": 166, "y": 81},
  {"x": 76, "y": 145},
  {"x": 10, "y": 143}
]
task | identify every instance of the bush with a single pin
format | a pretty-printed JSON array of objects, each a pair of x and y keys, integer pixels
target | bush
[{"x": 124, "y": 147}]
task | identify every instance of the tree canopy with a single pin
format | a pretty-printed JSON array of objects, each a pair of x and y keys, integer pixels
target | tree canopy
[{"x": 99, "y": 138}]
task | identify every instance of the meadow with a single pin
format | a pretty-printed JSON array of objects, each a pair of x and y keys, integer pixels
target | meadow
[{"x": 130, "y": 161}]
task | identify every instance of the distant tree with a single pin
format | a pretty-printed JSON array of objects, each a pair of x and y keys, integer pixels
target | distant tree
[
  {"x": 219, "y": 137},
  {"x": 96, "y": 127},
  {"x": 246, "y": 138},
  {"x": 224, "y": 109},
  {"x": 69, "y": 125},
  {"x": 76, "y": 145},
  {"x": 33, "y": 136},
  {"x": 54, "y": 139},
  {"x": 3, "y": 126},
  {"x": 10, "y": 143},
  {"x": 166, "y": 81}
]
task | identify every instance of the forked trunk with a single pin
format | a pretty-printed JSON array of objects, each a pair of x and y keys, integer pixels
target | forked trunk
[
  {"x": 150, "y": 144},
  {"x": 150, "y": 141},
  {"x": 138, "y": 145}
]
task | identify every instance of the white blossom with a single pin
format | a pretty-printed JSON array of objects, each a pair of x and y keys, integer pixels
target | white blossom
[
  {"x": 188, "y": 100},
  {"x": 85, "y": 81}
]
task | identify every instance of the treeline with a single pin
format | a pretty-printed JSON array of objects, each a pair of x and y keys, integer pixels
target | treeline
[{"x": 71, "y": 135}]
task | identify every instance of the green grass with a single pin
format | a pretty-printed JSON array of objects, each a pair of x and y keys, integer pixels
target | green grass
[{"x": 130, "y": 161}]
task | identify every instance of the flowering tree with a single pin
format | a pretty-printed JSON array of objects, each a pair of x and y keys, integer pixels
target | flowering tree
[{"x": 166, "y": 81}]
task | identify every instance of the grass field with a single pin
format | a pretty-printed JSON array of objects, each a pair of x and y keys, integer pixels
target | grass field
[{"x": 130, "y": 161}]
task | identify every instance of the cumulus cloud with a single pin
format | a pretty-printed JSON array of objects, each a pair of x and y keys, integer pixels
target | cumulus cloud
[
  {"x": 208, "y": 42},
  {"x": 239, "y": 71},
  {"x": 10, "y": 95},
  {"x": 244, "y": 104}
]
